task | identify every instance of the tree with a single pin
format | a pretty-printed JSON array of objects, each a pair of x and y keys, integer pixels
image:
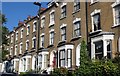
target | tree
[{"x": 3, "y": 33}]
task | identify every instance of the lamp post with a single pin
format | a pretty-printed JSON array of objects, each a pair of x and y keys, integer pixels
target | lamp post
[{"x": 38, "y": 4}]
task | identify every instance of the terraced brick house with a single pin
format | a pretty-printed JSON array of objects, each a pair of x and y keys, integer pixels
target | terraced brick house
[{"x": 63, "y": 25}]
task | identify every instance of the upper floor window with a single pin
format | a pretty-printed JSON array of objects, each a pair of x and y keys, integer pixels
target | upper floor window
[
  {"x": 12, "y": 38},
  {"x": 21, "y": 46},
  {"x": 96, "y": 22},
  {"x": 117, "y": 15},
  {"x": 34, "y": 26},
  {"x": 17, "y": 35},
  {"x": 52, "y": 17},
  {"x": 77, "y": 27},
  {"x": 27, "y": 44},
  {"x": 51, "y": 37},
  {"x": 16, "y": 48},
  {"x": 11, "y": 50},
  {"x": 63, "y": 11},
  {"x": 42, "y": 22},
  {"x": 22, "y": 33},
  {"x": 34, "y": 42},
  {"x": 28, "y": 29},
  {"x": 93, "y": 1},
  {"x": 76, "y": 5},
  {"x": 63, "y": 33},
  {"x": 42, "y": 41},
  {"x": 95, "y": 15}
]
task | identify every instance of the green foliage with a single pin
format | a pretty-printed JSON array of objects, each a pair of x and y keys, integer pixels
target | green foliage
[
  {"x": 88, "y": 67},
  {"x": 3, "y": 35},
  {"x": 3, "y": 19}
]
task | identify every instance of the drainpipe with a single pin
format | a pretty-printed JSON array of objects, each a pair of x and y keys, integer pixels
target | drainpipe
[{"x": 86, "y": 9}]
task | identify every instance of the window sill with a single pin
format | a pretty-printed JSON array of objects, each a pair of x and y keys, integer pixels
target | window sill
[
  {"x": 75, "y": 38},
  {"x": 94, "y": 32},
  {"x": 51, "y": 23},
  {"x": 34, "y": 31},
  {"x": 115, "y": 4},
  {"x": 51, "y": 45},
  {"x": 76, "y": 11},
  {"x": 94, "y": 2},
  {"x": 114, "y": 26},
  {"x": 63, "y": 17},
  {"x": 60, "y": 43}
]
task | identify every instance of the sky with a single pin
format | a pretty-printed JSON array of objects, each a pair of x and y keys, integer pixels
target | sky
[{"x": 19, "y": 11}]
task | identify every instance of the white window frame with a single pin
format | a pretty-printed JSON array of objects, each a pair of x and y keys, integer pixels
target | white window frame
[
  {"x": 28, "y": 30},
  {"x": 21, "y": 33},
  {"x": 69, "y": 57},
  {"x": 65, "y": 48},
  {"x": 94, "y": 1},
  {"x": 43, "y": 21},
  {"x": 51, "y": 39},
  {"x": 33, "y": 43},
  {"x": 40, "y": 60},
  {"x": 96, "y": 11},
  {"x": 27, "y": 45},
  {"x": 63, "y": 12},
  {"x": 63, "y": 35},
  {"x": 76, "y": 5},
  {"x": 42, "y": 39},
  {"x": 21, "y": 47},
  {"x": 114, "y": 5},
  {"x": 16, "y": 49},
  {"x": 34, "y": 25},
  {"x": 11, "y": 50},
  {"x": 16, "y": 35},
  {"x": 74, "y": 24},
  {"x": 12, "y": 38},
  {"x": 52, "y": 17}
]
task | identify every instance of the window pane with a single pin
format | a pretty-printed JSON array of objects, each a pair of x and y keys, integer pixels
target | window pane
[
  {"x": 96, "y": 22},
  {"x": 99, "y": 49}
]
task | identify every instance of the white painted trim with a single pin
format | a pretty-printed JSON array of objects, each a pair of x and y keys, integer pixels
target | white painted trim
[
  {"x": 52, "y": 11},
  {"x": 28, "y": 25},
  {"x": 115, "y": 4},
  {"x": 34, "y": 38},
  {"x": 52, "y": 30},
  {"x": 63, "y": 4},
  {"x": 96, "y": 39},
  {"x": 95, "y": 12},
  {"x": 42, "y": 34},
  {"x": 63, "y": 25},
  {"x": 27, "y": 40},
  {"x": 16, "y": 59},
  {"x": 34, "y": 21},
  {"x": 78, "y": 55},
  {"x": 76, "y": 20},
  {"x": 43, "y": 16}
]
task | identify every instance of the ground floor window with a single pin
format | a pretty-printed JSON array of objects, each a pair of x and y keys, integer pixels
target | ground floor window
[
  {"x": 109, "y": 49},
  {"x": 69, "y": 57},
  {"x": 99, "y": 49},
  {"x": 62, "y": 58}
]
